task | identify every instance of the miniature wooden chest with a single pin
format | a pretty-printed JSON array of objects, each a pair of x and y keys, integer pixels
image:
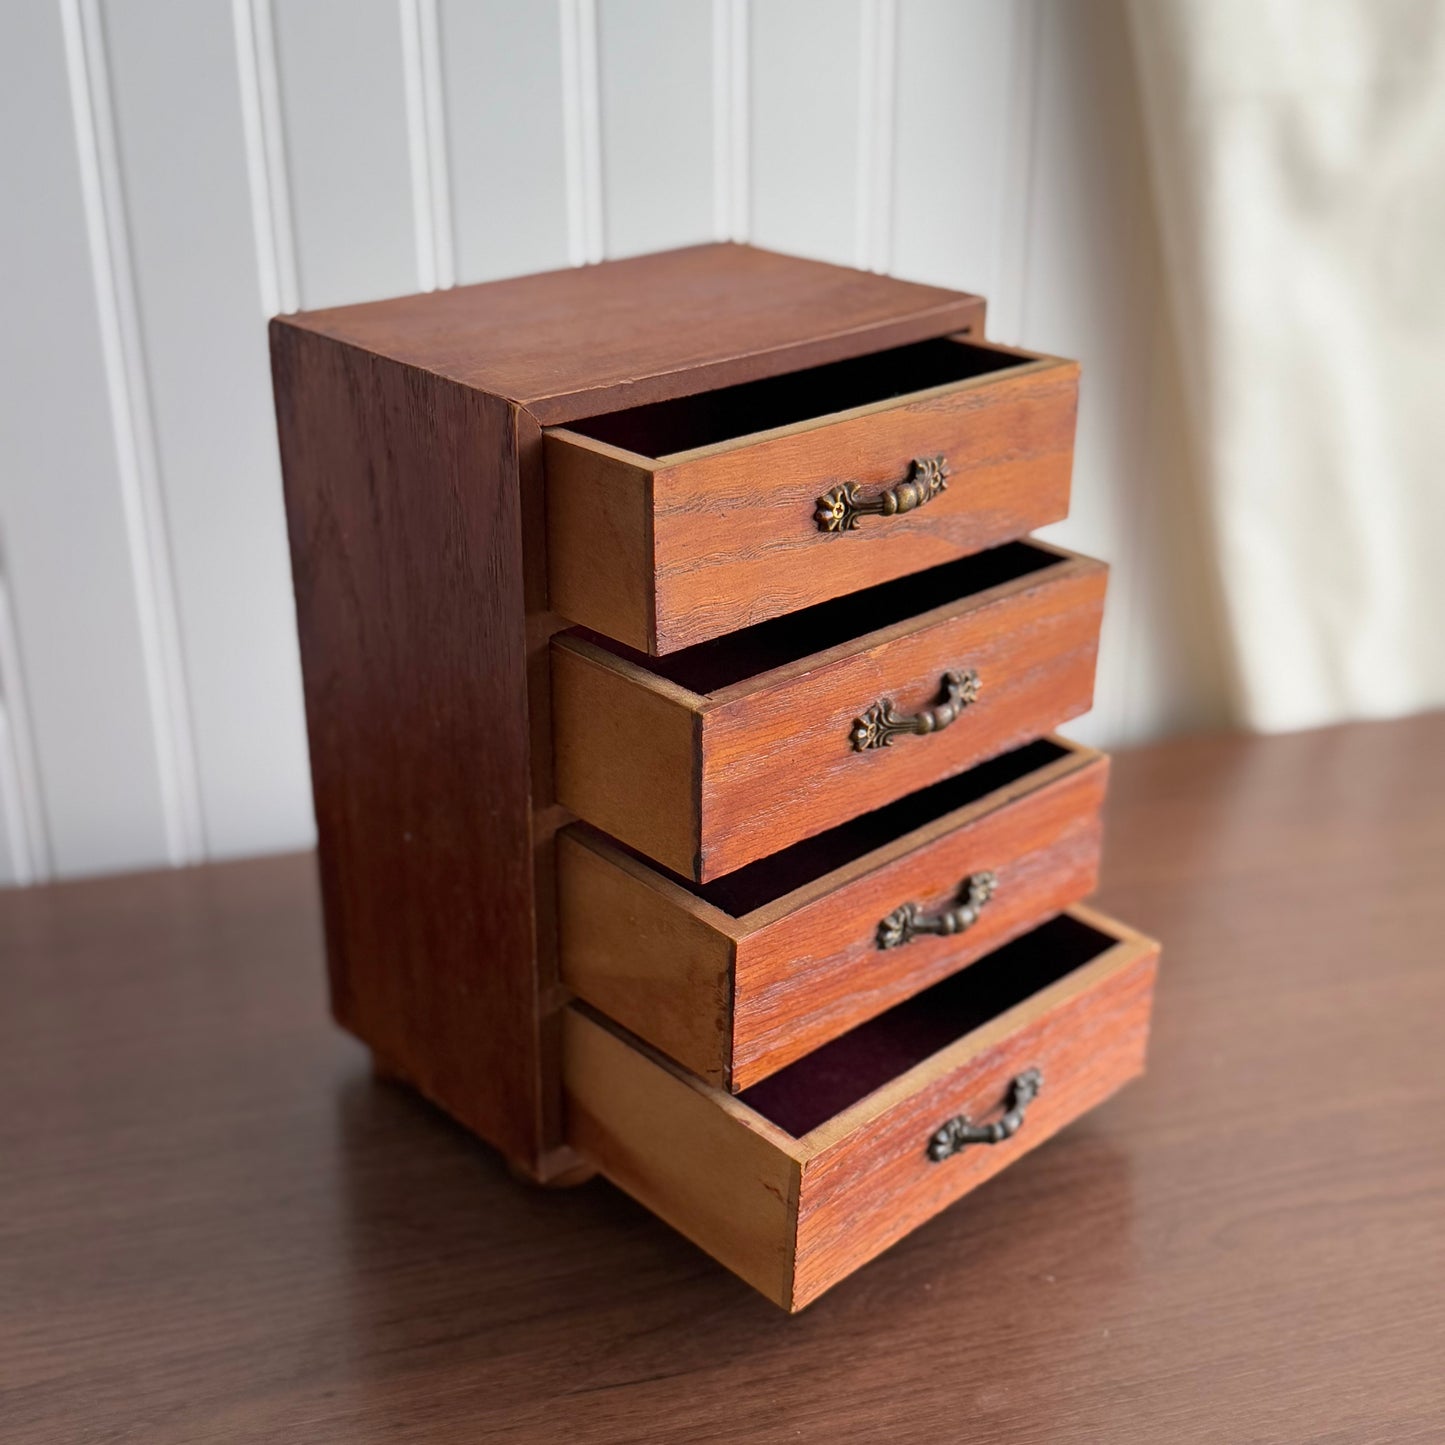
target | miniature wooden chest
[{"x": 680, "y": 688}]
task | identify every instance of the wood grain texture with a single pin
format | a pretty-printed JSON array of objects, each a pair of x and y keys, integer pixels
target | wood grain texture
[
  {"x": 218, "y": 1227},
  {"x": 805, "y": 978},
  {"x": 573, "y": 343},
  {"x": 697, "y": 1158},
  {"x": 599, "y": 542},
  {"x": 717, "y": 1170},
  {"x": 646, "y": 952},
  {"x": 733, "y": 998},
  {"x": 775, "y": 763},
  {"x": 626, "y": 748},
  {"x": 547, "y": 816},
  {"x": 778, "y": 765},
  {"x": 729, "y": 529},
  {"x": 865, "y": 1187},
  {"x": 411, "y": 439},
  {"x": 405, "y": 522}
]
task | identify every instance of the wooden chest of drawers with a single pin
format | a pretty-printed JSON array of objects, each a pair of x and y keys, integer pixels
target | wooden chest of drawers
[{"x": 680, "y": 685}]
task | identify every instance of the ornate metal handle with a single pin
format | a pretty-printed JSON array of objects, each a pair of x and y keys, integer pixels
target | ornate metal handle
[
  {"x": 961, "y": 1131},
  {"x": 839, "y": 510},
  {"x": 905, "y": 924},
  {"x": 877, "y": 727}
]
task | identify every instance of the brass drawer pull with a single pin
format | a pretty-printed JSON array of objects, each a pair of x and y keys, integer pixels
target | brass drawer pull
[
  {"x": 908, "y": 922},
  {"x": 960, "y": 1131},
  {"x": 839, "y": 510},
  {"x": 877, "y": 727}
]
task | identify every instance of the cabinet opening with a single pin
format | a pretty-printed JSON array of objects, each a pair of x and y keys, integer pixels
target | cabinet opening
[
  {"x": 663, "y": 428},
  {"x": 811, "y": 1091},
  {"x": 711, "y": 666},
  {"x": 758, "y": 884}
]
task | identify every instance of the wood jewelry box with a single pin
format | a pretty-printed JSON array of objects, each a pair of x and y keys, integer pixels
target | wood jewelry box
[{"x": 680, "y": 685}]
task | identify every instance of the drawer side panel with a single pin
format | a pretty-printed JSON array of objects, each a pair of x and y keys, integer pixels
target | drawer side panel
[
  {"x": 599, "y": 540},
  {"x": 625, "y": 749},
  {"x": 636, "y": 947},
  {"x": 727, "y": 1186}
]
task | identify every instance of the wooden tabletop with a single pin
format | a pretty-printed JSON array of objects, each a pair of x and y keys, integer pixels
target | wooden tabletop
[{"x": 215, "y": 1226}]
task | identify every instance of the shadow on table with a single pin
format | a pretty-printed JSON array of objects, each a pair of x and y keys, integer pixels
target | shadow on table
[{"x": 523, "y": 1305}]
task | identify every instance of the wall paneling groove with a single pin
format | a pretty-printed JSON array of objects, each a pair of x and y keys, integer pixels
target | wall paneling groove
[
  {"x": 260, "y": 99},
  {"x": 730, "y": 119},
  {"x": 582, "y": 126},
  {"x": 427, "y": 144},
  {"x": 187, "y": 170}
]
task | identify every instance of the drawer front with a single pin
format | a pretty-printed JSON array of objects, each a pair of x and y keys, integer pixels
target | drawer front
[
  {"x": 665, "y": 552},
  {"x": 865, "y": 1189},
  {"x": 785, "y": 764},
  {"x": 794, "y": 1211},
  {"x": 821, "y": 969},
  {"x": 740, "y": 773},
  {"x": 733, "y": 984}
]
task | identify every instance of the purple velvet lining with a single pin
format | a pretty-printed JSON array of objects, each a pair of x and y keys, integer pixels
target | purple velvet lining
[
  {"x": 681, "y": 423},
  {"x": 758, "y": 883},
  {"x": 811, "y": 1091},
  {"x": 708, "y": 666}
]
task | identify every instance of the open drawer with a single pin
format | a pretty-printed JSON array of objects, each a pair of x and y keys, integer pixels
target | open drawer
[
  {"x": 734, "y": 749},
  {"x": 679, "y": 521},
  {"x": 735, "y": 979},
  {"x": 808, "y": 1175}
]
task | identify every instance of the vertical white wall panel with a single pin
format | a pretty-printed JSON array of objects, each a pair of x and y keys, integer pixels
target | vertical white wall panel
[
  {"x": 65, "y": 539},
  {"x": 203, "y": 326},
  {"x": 15, "y": 845},
  {"x": 502, "y": 75},
  {"x": 184, "y": 168},
  {"x": 348, "y": 148},
  {"x": 25, "y": 855},
  {"x": 957, "y": 73},
  {"x": 806, "y": 156},
  {"x": 656, "y": 80},
  {"x": 731, "y": 123}
]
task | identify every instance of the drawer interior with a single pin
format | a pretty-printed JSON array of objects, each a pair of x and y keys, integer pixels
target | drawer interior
[
  {"x": 758, "y": 884},
  {"x": 665, "y": 428},
  {"x": 802, "y": 1177},
  {"x": 806, "y": 1094},
  {"x": 734, "y": 658}
]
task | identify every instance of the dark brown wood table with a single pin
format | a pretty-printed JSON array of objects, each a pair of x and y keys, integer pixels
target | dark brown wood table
[{"x": 214, "y": 1225}]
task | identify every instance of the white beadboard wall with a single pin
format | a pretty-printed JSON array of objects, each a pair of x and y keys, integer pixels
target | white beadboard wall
[{"x": 177, "y": 170}]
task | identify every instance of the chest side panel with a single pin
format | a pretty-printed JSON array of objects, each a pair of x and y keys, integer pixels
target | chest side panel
[{"x": 405, "y": 526}]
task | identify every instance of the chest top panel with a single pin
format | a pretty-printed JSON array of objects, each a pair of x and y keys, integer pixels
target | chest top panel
[{"x": 573, "y": 343}]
